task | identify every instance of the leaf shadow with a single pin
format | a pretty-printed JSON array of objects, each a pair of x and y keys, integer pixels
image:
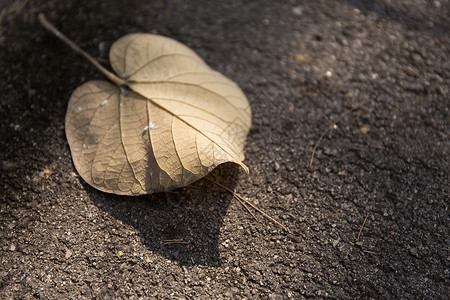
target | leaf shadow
[{"x": 182, "y": 225}]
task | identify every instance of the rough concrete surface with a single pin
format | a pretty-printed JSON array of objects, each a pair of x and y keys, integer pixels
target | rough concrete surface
[{"x": 372, "y": 77}]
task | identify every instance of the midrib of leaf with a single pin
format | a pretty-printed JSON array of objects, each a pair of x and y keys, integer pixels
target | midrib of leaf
[
  {"x": 195, "y": 128},
  {"x": 198, "y": 108},
  {"x": 188, "y": 84}
]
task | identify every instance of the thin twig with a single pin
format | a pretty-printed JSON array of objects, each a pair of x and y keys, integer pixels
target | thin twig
[
  {"x": 328, "y": 129},
  {"x": 368, "y": 251},
  {"x": 248, "y": 209},
  {"x": 44, "y": 22},
  {"x": 376, "y": 146},
  {"x": 262, "y": 212},
  {"x": 239, "y": 197},
  {"x": 362, "y": 226}
]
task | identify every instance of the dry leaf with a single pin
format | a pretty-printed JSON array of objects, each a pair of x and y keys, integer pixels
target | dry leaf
[{"x": 172, "y": 122}]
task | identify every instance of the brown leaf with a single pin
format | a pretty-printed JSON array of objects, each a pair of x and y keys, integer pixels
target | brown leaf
[{"x": 173, "y": 121}]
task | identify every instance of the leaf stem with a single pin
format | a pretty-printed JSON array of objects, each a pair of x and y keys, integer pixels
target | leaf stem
[
  {"x": 114, "y": 78},
  {"x": 242, "y": 200}
]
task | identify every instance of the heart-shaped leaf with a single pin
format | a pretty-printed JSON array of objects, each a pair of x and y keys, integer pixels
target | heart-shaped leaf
[{"x": 171, "y": 121}]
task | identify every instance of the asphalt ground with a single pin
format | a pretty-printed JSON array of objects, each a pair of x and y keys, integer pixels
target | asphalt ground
[{"x": 362, "y": 85}]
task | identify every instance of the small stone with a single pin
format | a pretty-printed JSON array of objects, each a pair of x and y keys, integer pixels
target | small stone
[
  {"x": 365, "y": 129},
  {"x": 68, "y": 253},
  {"x": 336, "y": 242},
  {"x": 12, "y": 247},
  {"x": 275, "y": 296},
  {"x": 45, "y": 173},
  {"x": 276, "y": 166},
  {"x": 230, "y": 293},
  {"x": 297, "y": 10}
]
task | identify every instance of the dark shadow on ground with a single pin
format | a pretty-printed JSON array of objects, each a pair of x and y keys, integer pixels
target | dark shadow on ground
[
  {"x": 411, "y": 17},
  {"x": 182, "y": 225}
]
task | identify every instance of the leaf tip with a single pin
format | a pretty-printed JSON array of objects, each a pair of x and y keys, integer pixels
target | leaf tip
[{"x": 244, "y": 167}]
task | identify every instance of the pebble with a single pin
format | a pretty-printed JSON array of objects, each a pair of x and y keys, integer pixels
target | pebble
[
  {"x": 336, "y": 242},
  {"x": 297, "y": 10},
  {"x": 68, "y": 253},
  {"x": 276, "y": 166},
  {"x": 413, "y": 251}
]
